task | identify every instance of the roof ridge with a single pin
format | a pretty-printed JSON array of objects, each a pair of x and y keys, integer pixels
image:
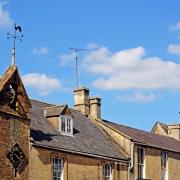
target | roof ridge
[
  {"x": 143, "y": 131},
  {"x": 39, "y": 101},
  {"x": 128, "y": 126}
]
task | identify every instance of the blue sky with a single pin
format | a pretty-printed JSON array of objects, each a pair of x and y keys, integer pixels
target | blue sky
[{"x": 133, "y": 62}]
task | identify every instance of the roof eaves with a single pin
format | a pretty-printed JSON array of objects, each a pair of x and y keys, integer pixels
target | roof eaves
[
  {"x": 155, "y": 146},
  {"x": 82, "y": 153}
]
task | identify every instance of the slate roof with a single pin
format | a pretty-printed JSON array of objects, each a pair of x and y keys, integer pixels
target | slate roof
[
  {"x": 54, "y": 110},
  {"x": 87, "y": 138},
  {"x": 147, "y": 138}
]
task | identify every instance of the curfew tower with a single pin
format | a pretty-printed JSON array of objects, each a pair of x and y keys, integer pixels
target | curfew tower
[{"x": 14, "y": 126}]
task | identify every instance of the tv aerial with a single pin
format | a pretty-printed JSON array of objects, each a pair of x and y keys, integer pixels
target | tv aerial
[
  {"x": 15, "y": 37},
  {"x": 76, "y": 50}
]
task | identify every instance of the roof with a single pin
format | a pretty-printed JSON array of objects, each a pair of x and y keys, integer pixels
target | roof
[
  {"x": 54, "y": 110},
  {"x": 10, "y": 76},
  {"x": 6, "y": 76},
  {"x": 147, "y": 138},
  {"x": 87, "y": 137}
]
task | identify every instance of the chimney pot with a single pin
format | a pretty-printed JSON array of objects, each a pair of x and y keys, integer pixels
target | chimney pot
[{"x": 95, "y": 107}]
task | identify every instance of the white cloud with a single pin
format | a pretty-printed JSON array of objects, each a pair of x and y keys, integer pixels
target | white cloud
[
  {"x": 175, "y": 27},
  {"x": 130, "y": 69},
  {"x": 41, "y": 51},
  {"x": 66, "y": 58},
  {"x": 5, "y": 19},
  {"x": 174, "y": 49},
  {"x": 41, "y": 83},
  {"x": 92, "y": 46},
  {"x": 138, "y": 97}
]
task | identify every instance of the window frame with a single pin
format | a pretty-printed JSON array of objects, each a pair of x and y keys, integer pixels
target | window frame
[
  {"x": 107, "y": 173},
  {"x": 61, "y": 169},
  {"x": 164, "y": 169},
  {"x": 67, "y": 129},
  {"x": 141, "y": 165}
]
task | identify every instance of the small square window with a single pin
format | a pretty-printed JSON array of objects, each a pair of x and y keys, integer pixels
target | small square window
[{"x": 66, "y": 125}]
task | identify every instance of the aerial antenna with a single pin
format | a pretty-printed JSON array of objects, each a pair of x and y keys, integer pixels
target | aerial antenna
[
  {"x": 76, "y": 50},
  {"x": 15, "y": 37}
]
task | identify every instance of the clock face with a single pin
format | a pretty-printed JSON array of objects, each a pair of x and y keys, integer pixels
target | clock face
[{"x": 16, "y": 156}]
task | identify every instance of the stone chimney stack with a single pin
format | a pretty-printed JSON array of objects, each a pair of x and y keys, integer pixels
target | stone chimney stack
[
  {"x": 81, "y": 100},
  {"x": 174, "y": 131},
  {"x": 95, "y": 107}
]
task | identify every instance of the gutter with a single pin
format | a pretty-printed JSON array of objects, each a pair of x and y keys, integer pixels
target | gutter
[{"x": 82, "y": 153}]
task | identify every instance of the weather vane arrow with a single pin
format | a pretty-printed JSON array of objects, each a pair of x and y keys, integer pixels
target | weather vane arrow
[{"x": 15, "y": 37}]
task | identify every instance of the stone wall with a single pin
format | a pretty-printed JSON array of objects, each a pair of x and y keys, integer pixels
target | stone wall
[
  {"x": 13, "y": 130},
  {"x": 76, "y": 167},
  {"x": 153, "y": 164}
]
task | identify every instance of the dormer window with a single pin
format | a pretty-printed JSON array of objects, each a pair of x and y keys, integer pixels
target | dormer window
[{"x": 66, "y": 125}]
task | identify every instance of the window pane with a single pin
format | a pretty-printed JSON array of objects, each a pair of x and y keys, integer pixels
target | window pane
[
  {"x": 57, "y": 168},
  {"x": 164, "y": 166},
  {"x": 106, "y": 171},
  {"x": 141, "y": 155},
  {"x": 66, "y": 124},
  {"x": 63, "y": 124},
  {"x": 141, "y": 162},
  {"x": 164, "y": 158}
]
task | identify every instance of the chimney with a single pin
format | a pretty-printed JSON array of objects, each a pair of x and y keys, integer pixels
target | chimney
[
  {"x": 174, "y": 131},
  {"x": 81, "y": 100},
  {"x": 95, "y": 107}
]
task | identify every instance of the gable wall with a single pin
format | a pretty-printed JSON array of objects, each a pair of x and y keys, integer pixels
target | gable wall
[
  {"x": 120, "y": 140},
  {"x": 159, "y": 130}
]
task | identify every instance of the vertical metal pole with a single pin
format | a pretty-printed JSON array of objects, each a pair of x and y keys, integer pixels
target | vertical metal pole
[
  {"x": 76, "y": 68},
  {"x": 14, "y": 46}
]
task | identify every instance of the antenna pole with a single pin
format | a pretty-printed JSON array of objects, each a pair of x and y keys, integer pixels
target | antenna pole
[
  {"x": 77, "y": 83},
  {"x": 76, "y": 50}
]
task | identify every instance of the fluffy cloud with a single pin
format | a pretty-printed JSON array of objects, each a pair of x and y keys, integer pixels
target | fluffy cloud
[
  {"x": 41, "y": 83},
  {"x": 131, "y": 69},
  {"x": 174, "y": 49},
  {"x": 5, "y": 19},
  {"x": 175, "y": 27},
  {"x": 138, "y": 97},
  {"x": 66, "y": 58},
  {"x": 92, "y": 46},
  {"x": 40, "y": 51}
]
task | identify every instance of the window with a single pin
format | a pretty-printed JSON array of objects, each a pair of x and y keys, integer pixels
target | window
[
  {"x": 164, "y": 166},
  {"x": 66, "y": 124},
  {"x": 57, "y": 169},
  {"x": 141, "y": 165},
  {"x": 107, "y": 171}
]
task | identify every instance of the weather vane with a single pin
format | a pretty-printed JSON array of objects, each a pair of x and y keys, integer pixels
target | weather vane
[
  {"x": 76, "y": 50},
  {"x": 15, "y": 37}
]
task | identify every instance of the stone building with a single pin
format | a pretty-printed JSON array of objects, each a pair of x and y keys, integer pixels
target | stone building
[{"x": 46, "y": 141}]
